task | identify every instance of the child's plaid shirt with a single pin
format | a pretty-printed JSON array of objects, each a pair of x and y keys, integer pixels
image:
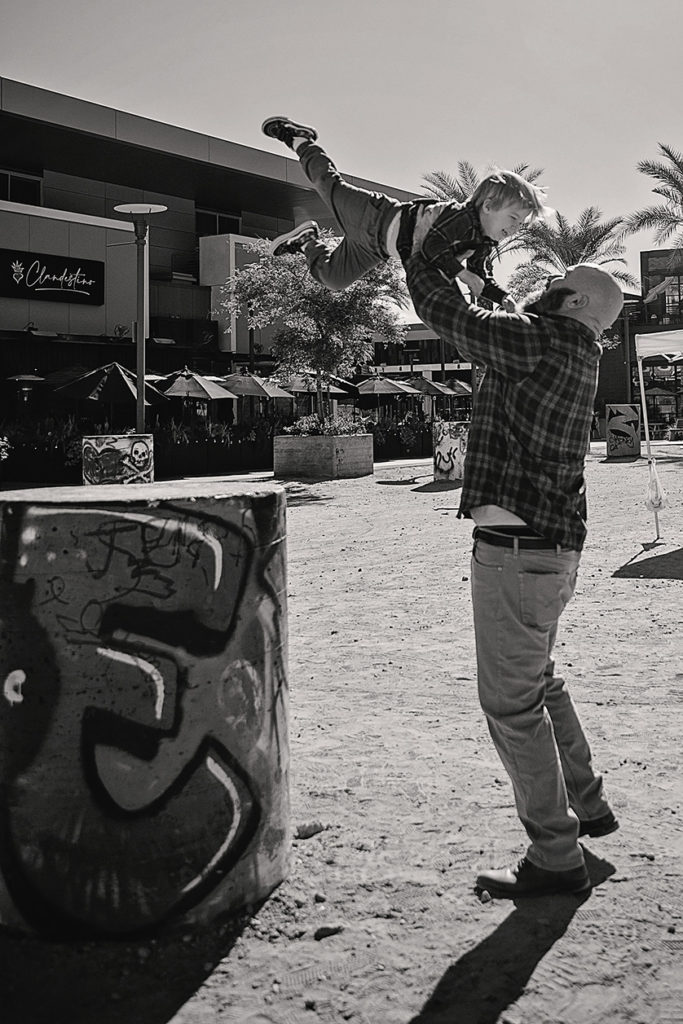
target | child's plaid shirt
[{"x": 457, "y": 231}]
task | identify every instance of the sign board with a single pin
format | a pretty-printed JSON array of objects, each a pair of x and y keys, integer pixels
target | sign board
[
  {"x": 42, "y": 276},
  {"x": 622, "y": 429}
]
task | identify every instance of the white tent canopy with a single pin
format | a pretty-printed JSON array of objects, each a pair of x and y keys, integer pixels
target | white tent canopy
[{"x": 661, "y": 343}]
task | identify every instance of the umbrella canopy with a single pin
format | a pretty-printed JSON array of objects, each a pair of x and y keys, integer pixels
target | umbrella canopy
[
  {"x": 305, "y": 386},
  {"x": 55, "y": 379},
  {"x": 458, "y": 387},
  {"x": 431, "y": 387},
  {"x": 385, "y": 386},
  {"x": 27, "y": 378},
  {"x": 186, "y": 384},
  {"x": 112, "y": 383},
  {"x": 256, "y": 387}
]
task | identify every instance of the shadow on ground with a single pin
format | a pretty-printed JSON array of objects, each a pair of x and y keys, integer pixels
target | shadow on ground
[
  {"x": 667, "y": 566},
  {"x": 108, "y": 981},
  {"x": 298, "y": 494},
  {"x": 489, "y": 978}
]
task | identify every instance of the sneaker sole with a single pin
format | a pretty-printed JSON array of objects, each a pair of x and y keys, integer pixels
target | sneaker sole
[
  {"x": 290, "y": 236},
  {"x": 306, "y": 129},
  {"x": 502, "y": 893},
  {"x": 604, "y": 830}
]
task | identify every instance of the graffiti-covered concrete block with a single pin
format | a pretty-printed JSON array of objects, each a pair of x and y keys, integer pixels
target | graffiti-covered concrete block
[
  {"x": 622, "y": 428},
  {"x": 450, "y": 448},
  {"x": 143, "y": 707},
  {"x": 118, "y": 459}
]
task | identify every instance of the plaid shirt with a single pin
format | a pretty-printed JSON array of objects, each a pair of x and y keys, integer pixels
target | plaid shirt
[
  {"x": 457, "y": 231},
  {"x": 533, "y": 412}
]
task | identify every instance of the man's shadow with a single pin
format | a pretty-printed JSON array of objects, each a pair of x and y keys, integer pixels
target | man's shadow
[{"x": 482, "y": 983}]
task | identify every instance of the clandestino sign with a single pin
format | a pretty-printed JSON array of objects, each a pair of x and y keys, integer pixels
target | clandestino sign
[{"x": 37, "y": 275}]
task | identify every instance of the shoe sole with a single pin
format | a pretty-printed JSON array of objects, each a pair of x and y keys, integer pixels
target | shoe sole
[
  {"x": 290, "y": 236},
  {"x": 600, "y": 830},
  {"x": 305, "y": 129},
  {"x": 496, "y": 893}
]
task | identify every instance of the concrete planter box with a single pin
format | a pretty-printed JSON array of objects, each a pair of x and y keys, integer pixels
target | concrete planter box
[{"x": 324, "y": 456}]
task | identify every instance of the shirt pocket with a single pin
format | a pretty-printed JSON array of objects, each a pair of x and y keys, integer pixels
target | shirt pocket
[{"x": 544, "y": 596}]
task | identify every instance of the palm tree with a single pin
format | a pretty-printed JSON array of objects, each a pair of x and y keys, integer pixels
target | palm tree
[
  {"x": 555, "y": 245},
  {"x": 447, "y": 187},
  {"x": 665, "y": 219}
]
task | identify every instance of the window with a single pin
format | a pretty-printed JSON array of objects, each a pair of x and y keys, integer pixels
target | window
[
  {"x": 213, "y": 222},
  {"x": 20, "y": 188}
]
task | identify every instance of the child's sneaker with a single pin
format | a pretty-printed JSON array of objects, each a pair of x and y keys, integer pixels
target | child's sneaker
[
  {"x": 294, "y": 240},
  {"x": 285, "y": 130}
]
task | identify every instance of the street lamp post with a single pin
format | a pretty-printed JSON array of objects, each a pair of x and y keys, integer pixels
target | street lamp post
[{"x": 140, "y": 213}]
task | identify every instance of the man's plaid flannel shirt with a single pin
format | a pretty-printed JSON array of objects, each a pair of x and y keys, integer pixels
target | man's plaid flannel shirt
[{"x": 532, "y": 416}]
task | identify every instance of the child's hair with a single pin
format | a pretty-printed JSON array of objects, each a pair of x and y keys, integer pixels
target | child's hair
[{"x": 503, "y": 187}]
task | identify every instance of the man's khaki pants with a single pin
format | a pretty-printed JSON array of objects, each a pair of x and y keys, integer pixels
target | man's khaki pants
[{"x": 518, "y": 596}]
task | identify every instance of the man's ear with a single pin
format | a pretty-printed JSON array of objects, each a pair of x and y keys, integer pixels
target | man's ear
[{"x": 576, "y": 301}]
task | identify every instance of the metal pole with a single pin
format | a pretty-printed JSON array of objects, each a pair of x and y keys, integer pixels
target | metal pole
[
  {"x": 140, "y": 241},
  {"x": 627, "y": 349},
  {"x": 650, "y": 459}
]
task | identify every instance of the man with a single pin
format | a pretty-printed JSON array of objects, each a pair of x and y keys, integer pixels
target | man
[{"x": 524, "y": 488}]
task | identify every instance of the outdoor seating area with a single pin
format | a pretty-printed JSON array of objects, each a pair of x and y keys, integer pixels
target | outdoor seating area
[{"x": 209, "y": 424}]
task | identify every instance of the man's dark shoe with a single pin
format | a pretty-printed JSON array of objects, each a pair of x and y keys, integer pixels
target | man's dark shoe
[
  {"x": 294, "y": 240},
  {"x": 525, "y": 879},
  {"x": 285, "y": 130},
  {"x": 601, "y": 826}
]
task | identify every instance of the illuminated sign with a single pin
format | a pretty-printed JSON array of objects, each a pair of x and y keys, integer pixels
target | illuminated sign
[{"x": 40, "y": 276}]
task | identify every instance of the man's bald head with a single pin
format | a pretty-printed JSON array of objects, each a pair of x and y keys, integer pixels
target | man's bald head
[{"x": 591, "y": 295}]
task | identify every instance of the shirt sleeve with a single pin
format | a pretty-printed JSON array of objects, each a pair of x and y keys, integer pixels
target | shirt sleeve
[
  {"x": 480, "y": 263},
  {"x": 510, "y": 343}
]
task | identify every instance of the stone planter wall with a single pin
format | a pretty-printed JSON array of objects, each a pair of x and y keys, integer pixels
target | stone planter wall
[{"x": 323, "y": 457}]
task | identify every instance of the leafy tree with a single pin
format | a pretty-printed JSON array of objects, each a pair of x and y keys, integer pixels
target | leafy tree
[
  {"x": 445, "y": 187},
  {"x": 665, "y": 219},
  {"x": 316, "y": 329},
  {"x": 555, "y": 245}
]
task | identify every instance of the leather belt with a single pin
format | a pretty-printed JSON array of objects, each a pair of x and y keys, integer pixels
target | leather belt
[{"x": 510, "y": 540}]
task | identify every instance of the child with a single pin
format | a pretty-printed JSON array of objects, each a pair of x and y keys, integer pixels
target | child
[{"x": 374, "y": 224}]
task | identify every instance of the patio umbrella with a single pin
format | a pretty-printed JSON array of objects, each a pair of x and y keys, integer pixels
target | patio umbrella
[
  {"x": 111, "y": 383},
  {"x": 255, "y": 387},
  {"x": 305, "y": 386},
  {"x": 27, "y": 378},
  {"x": 385, "y": 386},
  {"x": 187, "y": 384},
  {"x": 433, "y": 388},
  {"x": 459, "y": 388}
]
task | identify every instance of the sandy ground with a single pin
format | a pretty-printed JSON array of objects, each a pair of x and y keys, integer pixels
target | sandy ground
[{"x": 399, "y": 797}]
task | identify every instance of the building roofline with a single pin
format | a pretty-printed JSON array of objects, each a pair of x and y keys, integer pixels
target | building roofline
[{"x": 70, "y": 113}]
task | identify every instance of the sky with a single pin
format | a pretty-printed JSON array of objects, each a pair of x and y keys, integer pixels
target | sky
[{"x": 396, "y": 88}]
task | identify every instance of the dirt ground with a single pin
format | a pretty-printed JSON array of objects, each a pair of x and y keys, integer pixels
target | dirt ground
[{"x": 398, "y": 796}]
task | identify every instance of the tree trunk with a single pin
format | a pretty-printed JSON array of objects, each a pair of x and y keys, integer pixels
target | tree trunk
[{"x": 319, "y": 394}]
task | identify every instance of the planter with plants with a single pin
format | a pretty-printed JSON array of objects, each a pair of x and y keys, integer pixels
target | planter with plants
[{"x": 323, "y": 449}]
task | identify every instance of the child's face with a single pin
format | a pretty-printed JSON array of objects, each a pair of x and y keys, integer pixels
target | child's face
[{"x": 504, "y": 221}]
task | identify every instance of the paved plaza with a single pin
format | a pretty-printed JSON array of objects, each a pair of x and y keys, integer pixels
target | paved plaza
[{"x": 398, "y": 797}]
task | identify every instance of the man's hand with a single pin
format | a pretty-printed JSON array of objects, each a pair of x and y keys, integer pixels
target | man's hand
[
  {"x": 471, "y": 281},
  {"x": 509, "y": 304}
]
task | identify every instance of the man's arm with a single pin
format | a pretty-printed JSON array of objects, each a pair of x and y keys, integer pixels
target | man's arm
[{"x": 511, "y": 343}]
